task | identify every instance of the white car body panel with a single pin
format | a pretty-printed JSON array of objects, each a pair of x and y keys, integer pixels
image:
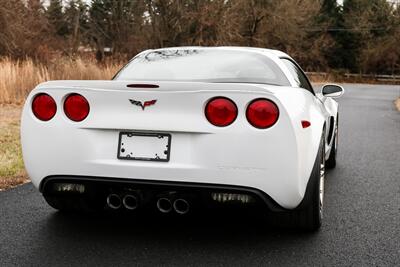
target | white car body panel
[{"x": 278, "y": 160}]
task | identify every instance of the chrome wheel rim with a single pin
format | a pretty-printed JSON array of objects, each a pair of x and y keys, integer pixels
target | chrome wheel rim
[
  {"x": 336, "y": 139},
  {"x": 321, "y": 184}
]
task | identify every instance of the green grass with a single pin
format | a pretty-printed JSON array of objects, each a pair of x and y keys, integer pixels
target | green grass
[
  {"x": 10, "y": 151},
  {"x": 11, "y": 165}
]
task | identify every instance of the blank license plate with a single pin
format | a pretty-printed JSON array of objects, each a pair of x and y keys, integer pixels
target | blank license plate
[{"x": 144, "y": 146}]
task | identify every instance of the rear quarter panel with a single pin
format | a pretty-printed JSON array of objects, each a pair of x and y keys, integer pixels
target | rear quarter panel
[{"x": 301, "y": 105}]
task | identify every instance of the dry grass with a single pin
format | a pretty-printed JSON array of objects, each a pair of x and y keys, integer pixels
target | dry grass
[
  {"x": 8, "y": 182},
  {"x": 341, "y": 77},
  {"x": 11, "y": 166},
  {"x": 397, "y": 103},
  {"x": 323, "y": 78},
  {"x": 18, "y": 78}
]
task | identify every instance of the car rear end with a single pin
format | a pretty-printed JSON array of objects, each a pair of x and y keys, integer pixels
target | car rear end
[
  {"x": 175, "y": 143},
  {"x": 175, "y": 127}
]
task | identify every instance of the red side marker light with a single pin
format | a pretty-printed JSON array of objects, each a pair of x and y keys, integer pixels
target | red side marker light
[{"x": 305, "y": 124}]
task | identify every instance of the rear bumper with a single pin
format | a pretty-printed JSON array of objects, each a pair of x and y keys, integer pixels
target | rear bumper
[
  {"x": 264, "y": 162},
  {"x": 98, "y": 187},
  {"x": 276, "y": 177}
]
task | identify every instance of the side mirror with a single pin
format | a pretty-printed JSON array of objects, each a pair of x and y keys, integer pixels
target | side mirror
[{"x": 332, "y": 90}]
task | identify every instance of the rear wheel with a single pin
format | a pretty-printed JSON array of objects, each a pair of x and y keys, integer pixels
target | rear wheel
[{"x": 308, "y": 216}]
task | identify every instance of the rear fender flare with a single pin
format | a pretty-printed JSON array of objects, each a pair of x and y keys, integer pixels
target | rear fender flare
[{"x": 312, "y": 179}]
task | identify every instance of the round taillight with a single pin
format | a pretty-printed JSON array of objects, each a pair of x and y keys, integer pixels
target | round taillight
[
  {"x": 44, "y": 107},
  {"x": 221, "y": 111},
  {"x": 262, "y": 113},
  {"x": 76, "y": 107}
]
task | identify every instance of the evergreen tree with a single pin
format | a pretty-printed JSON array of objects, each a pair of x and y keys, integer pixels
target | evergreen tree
[
  {"x": 327, "y": 22},
  {"x": 360, "y": 24},
  {"x": 116, "y": 24},
  {"x": 76, "y": 17},
  {"x": 349, "y": 36},
  {"x": 329, "y": 10},
  {"x": 56, "y": 17}
]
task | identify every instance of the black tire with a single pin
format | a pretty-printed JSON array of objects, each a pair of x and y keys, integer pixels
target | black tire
[
  {"x": 308, "y": 216},
  {"x": 331, "y": 161}
]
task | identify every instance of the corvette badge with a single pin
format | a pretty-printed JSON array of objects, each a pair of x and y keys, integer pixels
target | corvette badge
[{"x": 143, "y": 105}]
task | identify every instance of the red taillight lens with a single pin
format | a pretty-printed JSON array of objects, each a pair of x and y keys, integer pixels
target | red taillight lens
[
  {"x": 221, "y": 111},
  {"x": 262, "y": 113},
  {"x": 44, "y": 107},
  {"x": 76, "y": 107}
]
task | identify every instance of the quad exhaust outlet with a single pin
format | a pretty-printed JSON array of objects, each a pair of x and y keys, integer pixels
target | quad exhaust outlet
[
  {"x": 181, "y": 206},
  {"x": 114, "y": 201},
  {"x": 164, "y": 205},
  {"x": 130, "y": 202}
]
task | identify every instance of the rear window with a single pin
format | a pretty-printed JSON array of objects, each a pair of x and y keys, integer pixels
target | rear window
[{"x": 203, "y": 65}]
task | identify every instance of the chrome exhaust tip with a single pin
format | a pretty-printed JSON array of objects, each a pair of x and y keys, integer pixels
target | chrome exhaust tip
[
  {"x": 130, "y": 202},
  {"x": 114, "y": 201},
  {"x": 181, "y": 206},
  {"x": 164, "y": 205}
]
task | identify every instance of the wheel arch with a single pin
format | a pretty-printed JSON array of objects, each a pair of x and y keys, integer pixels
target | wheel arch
[{"x": 312, "y": 178}]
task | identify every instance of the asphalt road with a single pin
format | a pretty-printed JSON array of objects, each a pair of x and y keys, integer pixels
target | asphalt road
[{"x": 361, "y": 227}]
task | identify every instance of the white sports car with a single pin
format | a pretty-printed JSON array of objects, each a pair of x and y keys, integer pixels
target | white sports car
[{"x": 178, "y": 126}]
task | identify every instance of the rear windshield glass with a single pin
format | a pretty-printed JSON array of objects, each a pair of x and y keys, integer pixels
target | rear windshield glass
[{"x": 203, "y": 65}]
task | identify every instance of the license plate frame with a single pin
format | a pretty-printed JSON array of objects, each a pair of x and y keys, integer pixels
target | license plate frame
[{"x": 130, "y": 156}]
